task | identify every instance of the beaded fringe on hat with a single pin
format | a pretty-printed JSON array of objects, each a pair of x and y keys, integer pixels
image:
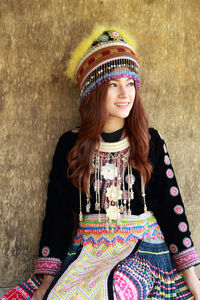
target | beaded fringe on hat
[{"x": 118, "y": 68}]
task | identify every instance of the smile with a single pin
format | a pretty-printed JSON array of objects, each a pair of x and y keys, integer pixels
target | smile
[{"x": 120, "y": 104}]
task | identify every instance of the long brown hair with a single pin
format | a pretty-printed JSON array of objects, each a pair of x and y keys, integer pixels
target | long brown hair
[{"x": 93, "y": 115}]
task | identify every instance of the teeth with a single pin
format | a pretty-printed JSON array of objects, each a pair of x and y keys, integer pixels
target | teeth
[{"x": 122, "y": 104}]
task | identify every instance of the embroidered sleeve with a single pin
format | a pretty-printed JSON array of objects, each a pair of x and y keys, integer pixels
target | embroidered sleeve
[
  {"x": 47, "y": 265},
  {"x": 170, "y": 212},
  {"x": 185, "y": 259},
  {"x": 58, "y": 224}
]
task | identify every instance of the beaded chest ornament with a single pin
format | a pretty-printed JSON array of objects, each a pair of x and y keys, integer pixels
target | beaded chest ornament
[{"x": 110, "y": 162}]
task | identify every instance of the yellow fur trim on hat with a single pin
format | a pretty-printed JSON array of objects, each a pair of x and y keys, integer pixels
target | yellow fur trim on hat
[{"x": 86, "y": 43}]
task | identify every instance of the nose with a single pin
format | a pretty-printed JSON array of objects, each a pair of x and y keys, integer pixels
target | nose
[{"x": 123, "y": 93}]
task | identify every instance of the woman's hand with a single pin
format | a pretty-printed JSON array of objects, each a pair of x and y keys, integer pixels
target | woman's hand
[
  {"x": 39, "y": 294},
  {"x": 192, "y": 282}
]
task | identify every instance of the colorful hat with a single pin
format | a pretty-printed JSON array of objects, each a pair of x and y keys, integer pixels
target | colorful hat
[{"x": 103, "y": 56}]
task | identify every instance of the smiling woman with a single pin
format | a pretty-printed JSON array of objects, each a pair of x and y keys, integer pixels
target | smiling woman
[
  {"x": 112, "y": 191},
  {"x": 119, "y": 101}
]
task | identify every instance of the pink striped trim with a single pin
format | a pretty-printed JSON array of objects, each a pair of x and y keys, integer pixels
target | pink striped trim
[
  {"x": 47, "y": 265},
  {"x": 186, "y": 259}
]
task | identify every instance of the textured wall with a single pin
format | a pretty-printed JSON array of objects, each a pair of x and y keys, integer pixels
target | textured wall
[{"x": 37, "y": 104}]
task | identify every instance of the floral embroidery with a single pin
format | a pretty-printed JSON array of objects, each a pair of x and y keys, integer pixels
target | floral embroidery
[
  {"x": 174, "y": 191},
  {"x": 45, "y": 251},
  {"x": 173, "y": 248},
  {"x": 178, "y": 209},
  {"x": 170, "y": 173},
  {"x": 187, "y": 242},
  {"x": 167, "y": 160},
  {"x": 109, "y": 171},
  {"x": 182, "y": 226},
  {"x": 115, "y": 35}
]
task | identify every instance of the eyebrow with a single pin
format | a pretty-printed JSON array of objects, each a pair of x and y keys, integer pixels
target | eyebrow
[{"x": 118, "y": 79}]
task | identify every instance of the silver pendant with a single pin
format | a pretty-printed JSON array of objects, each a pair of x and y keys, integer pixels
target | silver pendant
[
  {"x": 112, "y": 213},
  {"x": 88, "y": 208},
  {"x": 97, "y": 206}
]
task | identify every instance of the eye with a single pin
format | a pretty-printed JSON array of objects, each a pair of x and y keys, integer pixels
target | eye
[
  {"x": 131, "y": 83},
  {"x": 112, "y": 84}
]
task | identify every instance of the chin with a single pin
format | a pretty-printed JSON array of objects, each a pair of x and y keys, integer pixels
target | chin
[{"x": 124, "y": 115}]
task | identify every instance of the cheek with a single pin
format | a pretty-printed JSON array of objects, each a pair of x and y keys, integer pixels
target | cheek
[
  {"x": 109, "y": 100},
  {"x": 133, "y": 94},
  {"x": 107, "y": 104},
  {"x": 133, "y": 97}
]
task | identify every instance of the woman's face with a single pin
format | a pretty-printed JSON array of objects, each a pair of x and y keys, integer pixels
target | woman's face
[{"x": 120, "y": 96}]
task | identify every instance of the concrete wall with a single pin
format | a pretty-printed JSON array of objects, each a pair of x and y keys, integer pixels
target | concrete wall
[{"x": 37, "y": 103}]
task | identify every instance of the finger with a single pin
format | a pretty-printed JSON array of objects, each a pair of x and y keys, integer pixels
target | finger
[{"x": 35, "y": 297}]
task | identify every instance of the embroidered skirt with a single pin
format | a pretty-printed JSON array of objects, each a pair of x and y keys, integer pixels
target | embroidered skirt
[
  {"x": 129, "y": 260},
  {"x": 112, "y": 264},
  {"x": 149, "y": 274}
]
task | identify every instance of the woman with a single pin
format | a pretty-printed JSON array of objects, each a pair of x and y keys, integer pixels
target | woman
[{"x": 113, "y": 178}]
